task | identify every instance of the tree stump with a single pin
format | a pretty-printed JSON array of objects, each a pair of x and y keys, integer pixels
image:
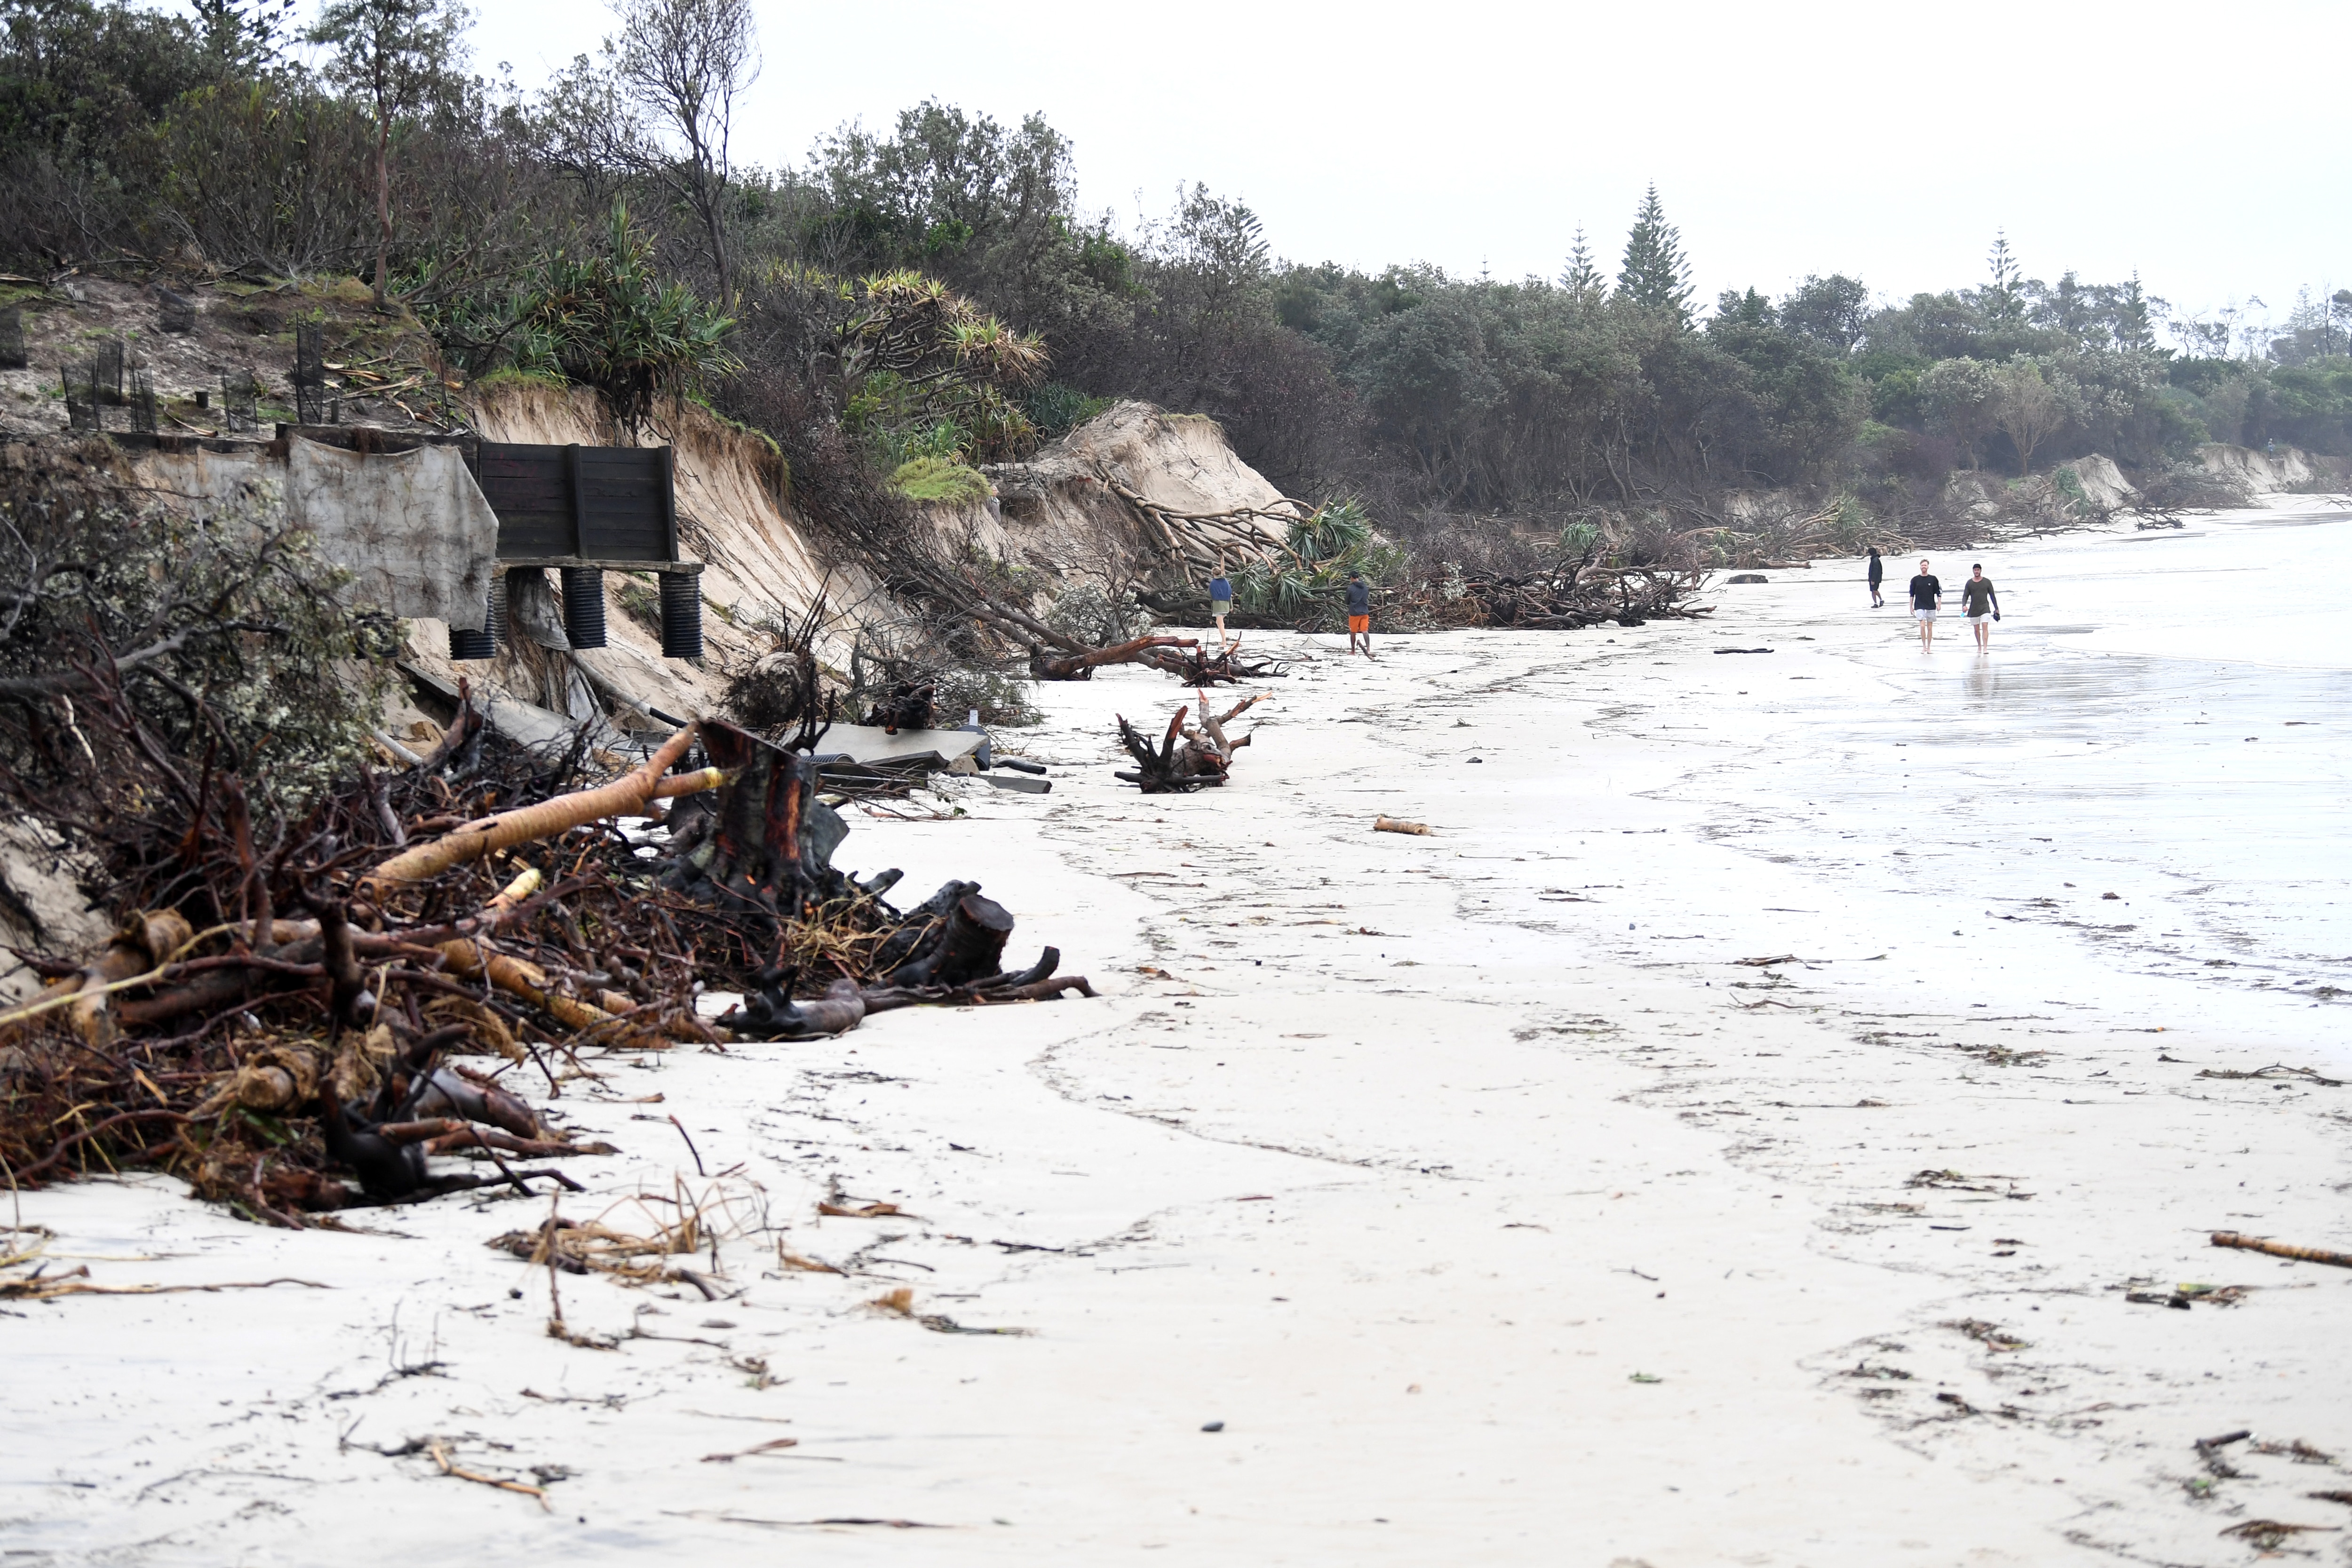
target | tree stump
[
  {"x": 762, "y": 844},
  {"x": 965, "y": 946}
]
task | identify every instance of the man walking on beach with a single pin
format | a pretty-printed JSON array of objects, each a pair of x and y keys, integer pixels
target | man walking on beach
[
  {"x": 1925, "y": 593},
  {"x": 1982, "y": 605},
  {"x": 1220, "y": 599},
  {"x": 1360, "y": 613},
  {"x": 1877, "y": 575}
]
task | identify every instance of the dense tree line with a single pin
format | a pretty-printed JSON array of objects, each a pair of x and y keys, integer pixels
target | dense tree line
[{"x": 538, "y": 232}]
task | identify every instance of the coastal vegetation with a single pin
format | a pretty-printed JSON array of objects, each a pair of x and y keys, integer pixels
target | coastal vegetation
[{"x": 919, "y": 300}]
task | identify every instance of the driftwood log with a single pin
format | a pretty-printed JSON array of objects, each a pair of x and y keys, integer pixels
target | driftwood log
[{"x": 2282, "y": 1248}]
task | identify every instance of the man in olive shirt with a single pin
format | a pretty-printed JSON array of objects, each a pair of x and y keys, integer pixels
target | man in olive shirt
[
  {"x": 1925, "y": 593},
  {"x": 1982, "y": 605}
]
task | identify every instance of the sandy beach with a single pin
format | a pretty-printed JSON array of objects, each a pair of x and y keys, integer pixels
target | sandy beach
[{"x": 1735, "y": 1133}]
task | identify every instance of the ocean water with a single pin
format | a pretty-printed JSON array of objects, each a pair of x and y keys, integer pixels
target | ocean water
[{"x": 2163, "y": 715}]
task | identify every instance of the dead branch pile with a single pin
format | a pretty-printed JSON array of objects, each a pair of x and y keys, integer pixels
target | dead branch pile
[
  {"x": 1567, "y": 597},
  {"x": 1188, "y": 757},
  {"x": 284, "y": 1016}
]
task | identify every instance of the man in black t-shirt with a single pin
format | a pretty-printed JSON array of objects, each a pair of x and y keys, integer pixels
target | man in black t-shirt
[
  {"x": 1982, "y": 605},
  {"x": 1926, "y": 593}
]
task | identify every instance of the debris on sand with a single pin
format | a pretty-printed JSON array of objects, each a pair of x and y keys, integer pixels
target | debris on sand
[
  {"x": 1202, "y": 762},
  {"x": 282, "y": 1018}
]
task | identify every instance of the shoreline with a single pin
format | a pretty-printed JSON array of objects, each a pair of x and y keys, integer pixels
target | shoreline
[{"x": 1496, "y": 1207}]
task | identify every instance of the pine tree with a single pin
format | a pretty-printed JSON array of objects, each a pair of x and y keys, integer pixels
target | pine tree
[
  {"x": 2136, "y": 317},
  {"x": 1583, "y": 279},
  {"x": 1656, "y": 277},
  {"x": 2004, "y": 298}
]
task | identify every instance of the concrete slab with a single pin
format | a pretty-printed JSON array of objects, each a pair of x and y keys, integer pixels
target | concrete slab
[{"x": 870, "y": 743}]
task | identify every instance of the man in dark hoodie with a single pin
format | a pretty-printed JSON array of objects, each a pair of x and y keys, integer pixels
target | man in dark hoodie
[{"x": 1360, "y": 613}]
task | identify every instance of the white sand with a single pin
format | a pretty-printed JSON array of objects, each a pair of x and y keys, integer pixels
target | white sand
[{"x": 1427, "y": 1149}]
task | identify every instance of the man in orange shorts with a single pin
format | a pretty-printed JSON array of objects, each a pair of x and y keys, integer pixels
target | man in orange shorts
[{"x": 1360, "y": 613}]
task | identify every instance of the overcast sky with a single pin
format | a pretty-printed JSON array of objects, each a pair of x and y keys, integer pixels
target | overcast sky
[{"x": 2205, "y": 145}]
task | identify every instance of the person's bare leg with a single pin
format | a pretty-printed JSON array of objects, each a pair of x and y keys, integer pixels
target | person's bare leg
[
  {"x": 1984, "y": 637},
  {"x": 1368, "y": 645}
]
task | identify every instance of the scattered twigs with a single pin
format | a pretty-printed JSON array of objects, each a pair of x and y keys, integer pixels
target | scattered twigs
[
  {"x": 769, "y": 1446},
  {"x": 439, "y": 1453}
]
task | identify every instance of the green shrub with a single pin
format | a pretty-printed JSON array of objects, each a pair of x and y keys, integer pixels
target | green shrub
[
  {"x": 942, "y": 479},
  {"x": 1057, "y": 408}
]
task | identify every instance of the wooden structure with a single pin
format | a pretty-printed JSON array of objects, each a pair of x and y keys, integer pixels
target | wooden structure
[
  {"x": 586, "y": 511},
  {"x": 582, "y": 506}
]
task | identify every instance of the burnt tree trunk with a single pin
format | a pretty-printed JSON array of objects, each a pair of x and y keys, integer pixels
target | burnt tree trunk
[
  {"x": 968, "y": 944},
  {"x": 762, "y": 845}
]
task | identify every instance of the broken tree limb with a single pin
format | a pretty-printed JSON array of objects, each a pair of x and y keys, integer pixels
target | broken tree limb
[
  {"x": 2282, "y": 1249},
  {"x": 772, "y": 1014},
  {"x": 625, "y": 797},
  {"x": 440, "y": 1454},
  {"x": 1399, "y": 825},
  {"x": 392, "y": 749},
  {"x": 140, "y": 952},
  {"x": 463, "y": 729},
  {"x": 526, "y": 981}
]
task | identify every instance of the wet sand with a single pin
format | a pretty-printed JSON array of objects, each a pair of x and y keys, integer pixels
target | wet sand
[{"x": 1495, "y": 1206}]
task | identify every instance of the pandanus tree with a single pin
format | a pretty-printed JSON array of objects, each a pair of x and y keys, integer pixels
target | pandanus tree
[{"x": 605, "y": 318}]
